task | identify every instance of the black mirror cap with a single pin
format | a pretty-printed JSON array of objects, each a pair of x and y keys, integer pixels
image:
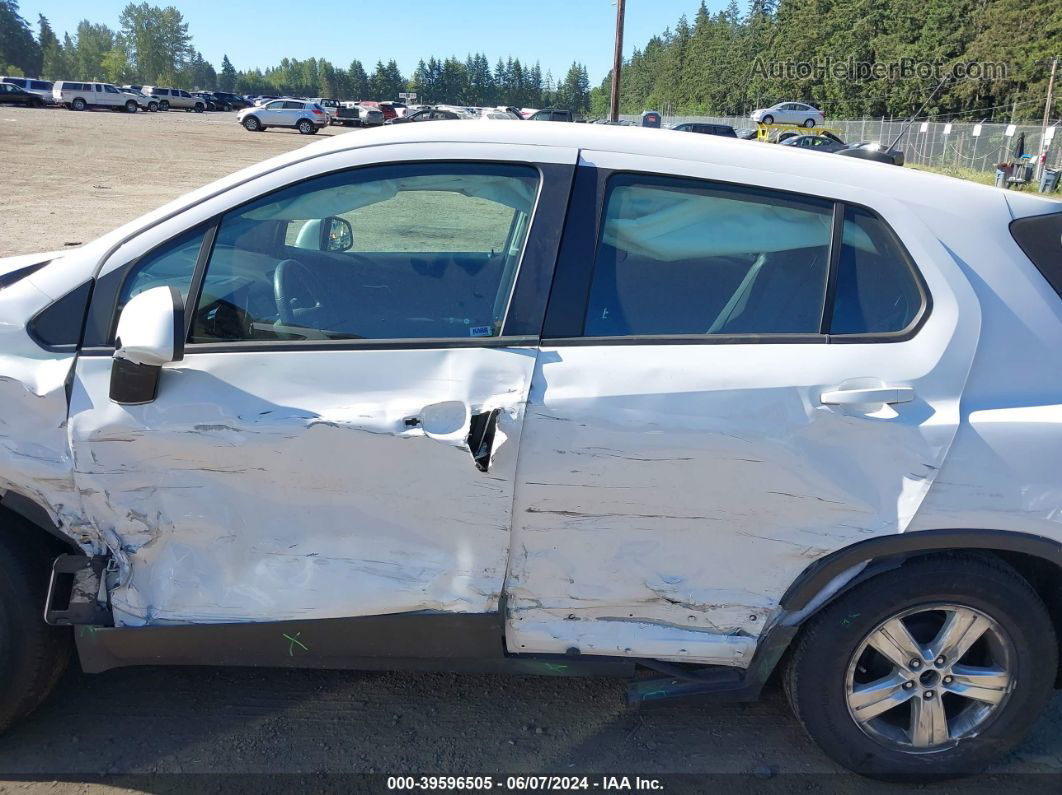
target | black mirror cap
[{"x": 134, "y": 384}]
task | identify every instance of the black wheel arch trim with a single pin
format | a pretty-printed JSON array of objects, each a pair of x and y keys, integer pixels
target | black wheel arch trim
[
  {"x": 900, "y": 546},
  {"x": 808, "y": 594}
]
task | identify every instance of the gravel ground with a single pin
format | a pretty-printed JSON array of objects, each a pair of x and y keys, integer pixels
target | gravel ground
[{"x": 69, "y": 177}]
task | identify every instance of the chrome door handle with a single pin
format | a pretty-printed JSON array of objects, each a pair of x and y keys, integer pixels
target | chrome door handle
[{"x": 856, "y": 397}]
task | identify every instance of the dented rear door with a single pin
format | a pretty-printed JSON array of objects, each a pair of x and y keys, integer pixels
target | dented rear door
[
  {"x": 368, "y": 467},
  {"x": 697, "y": 434}
]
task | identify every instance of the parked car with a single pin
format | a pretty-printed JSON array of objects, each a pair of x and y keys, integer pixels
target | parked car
[
  {"x": 760, "y": 419},
  {"x": 175, "y": 98},
  {"x": 798, "y": 113},
  {"x": 82, "y": 96},
  {"x": 351, "y": 114},
  {"x": 429, "y": 114},
  {"x": 328, "y": 105},
  {"x": 230, "y": 101},
  {"x": 817, "y": 143},
  {"x": 13, "y": 95},
  {"x": 724, "y": 130},
  {"x": 39, "y": 88},
  {"x": 868, "y": 150},
  {"x": 506, "y": 115},
  {"x": 551, "y": 114},
  {"x": 208, "y": 99},
  {"x": 400, "y": 108},
  {"x": 385, "y": 108},
  {"x": 298, "y": 114},
  {"x": 143, "y": 100}
]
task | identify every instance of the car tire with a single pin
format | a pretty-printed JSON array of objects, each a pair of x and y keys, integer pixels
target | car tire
[
  {"x": 131, "y": 106},
  {"x": 306, "y": 127},
  {"x": 199, "y": 107},
  {"x": 33, "y": 655},
  {"x": 78, "y": 104},
  {"x": 914, "y": 729},
  {"x": 164, "y": 105},
  {"x": 809, "y": 122},
  {"x": 39, "y": 103},
  {"x": 251, "y": 124},
  {"x": 767, "y": 120},
  {"x": 227, "y": 108},
  {"x": 153, "y": 107}
]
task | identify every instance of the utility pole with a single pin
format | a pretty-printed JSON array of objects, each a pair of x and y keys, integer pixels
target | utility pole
[
  {"x": 1041, "y": 160},
  {"x": 617, "y": 64}
]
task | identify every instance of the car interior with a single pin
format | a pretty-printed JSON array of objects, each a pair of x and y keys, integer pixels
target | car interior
[
  {"x": 727, "y": 266},
  {"x": 278, "y": 272}
]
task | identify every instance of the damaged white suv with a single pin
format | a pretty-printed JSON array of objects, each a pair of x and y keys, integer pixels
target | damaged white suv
[{"x": 555, "y": 399}]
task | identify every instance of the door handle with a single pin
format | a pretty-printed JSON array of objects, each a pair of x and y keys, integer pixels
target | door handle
[{"x": 856, "y": 397}]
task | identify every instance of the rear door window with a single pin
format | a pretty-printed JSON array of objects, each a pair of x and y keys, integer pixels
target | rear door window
[{"x": 688, "y": 257}]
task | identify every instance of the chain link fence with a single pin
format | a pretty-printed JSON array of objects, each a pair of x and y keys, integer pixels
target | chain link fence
[{"x": 941, "y": 144}]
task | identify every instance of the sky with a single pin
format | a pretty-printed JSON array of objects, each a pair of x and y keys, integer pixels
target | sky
[{"x": 261, "y": 32}]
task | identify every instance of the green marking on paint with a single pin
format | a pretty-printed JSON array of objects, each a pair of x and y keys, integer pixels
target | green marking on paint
[{"x": 294, "y": 641}]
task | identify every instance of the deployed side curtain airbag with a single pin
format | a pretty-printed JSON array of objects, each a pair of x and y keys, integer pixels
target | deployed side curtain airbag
[
  {"x": 674, "y": 225},
  {"x": 339, "y": 199}
]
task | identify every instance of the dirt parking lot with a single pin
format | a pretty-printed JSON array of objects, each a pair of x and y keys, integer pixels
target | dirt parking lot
[{"x": 71, "y": 176}]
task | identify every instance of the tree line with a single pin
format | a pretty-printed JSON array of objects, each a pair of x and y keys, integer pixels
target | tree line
[
  {"x": 152, "y": 46},
  {"x": 852, "y": 58}
]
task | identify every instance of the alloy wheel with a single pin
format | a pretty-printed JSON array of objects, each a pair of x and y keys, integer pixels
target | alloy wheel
[{"x": 929, "y": 677}]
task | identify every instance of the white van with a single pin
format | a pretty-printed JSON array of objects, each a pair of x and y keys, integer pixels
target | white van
[
  {"x": 80, "y": 96},
  {"x": 40, "y": 88},
  {"x": 174, "y": 98}
]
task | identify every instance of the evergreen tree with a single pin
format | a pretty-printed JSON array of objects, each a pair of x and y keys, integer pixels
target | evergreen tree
[
  {"x": 358, "y": 80},
  {"x": 227, "y": 80},
  {"x": 18, "y": 48},
  {"x": 53, "y": 58}
]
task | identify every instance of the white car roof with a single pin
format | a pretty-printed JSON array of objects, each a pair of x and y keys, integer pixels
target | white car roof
[
  {"x": 674, "y": 145},
  {"x": 945, "y": 195}
]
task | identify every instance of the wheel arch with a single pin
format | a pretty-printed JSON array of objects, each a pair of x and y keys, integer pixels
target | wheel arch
[
  {"x": 1036, "y": 558},
  {"x": 884, "y": 552},
  {"x": 22, "y": 514}
]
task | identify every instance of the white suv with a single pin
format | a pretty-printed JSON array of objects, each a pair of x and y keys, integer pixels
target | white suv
[
  {"x": 174, "y": 98},
  {"x": 305, "y": 116},
  {"x": 567, "y": 399},
  {"x": 81, "y": 96}
]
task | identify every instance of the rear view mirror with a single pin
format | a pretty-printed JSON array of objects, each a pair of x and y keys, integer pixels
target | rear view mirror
[
  {"x": 150, "y": 334},
  {"x": 336, "y": 234}
]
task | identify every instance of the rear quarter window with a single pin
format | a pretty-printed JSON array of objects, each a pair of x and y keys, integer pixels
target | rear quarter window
[{"x": 1040, "y": 237}]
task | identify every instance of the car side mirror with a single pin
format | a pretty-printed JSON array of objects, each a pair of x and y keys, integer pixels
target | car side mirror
[
  {"x": 336, "y": 234},
  {"x": 150, "y": 334}
]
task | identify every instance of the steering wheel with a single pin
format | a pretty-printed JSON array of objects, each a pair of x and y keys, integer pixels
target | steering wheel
[{"x": 292, "y": 279}]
